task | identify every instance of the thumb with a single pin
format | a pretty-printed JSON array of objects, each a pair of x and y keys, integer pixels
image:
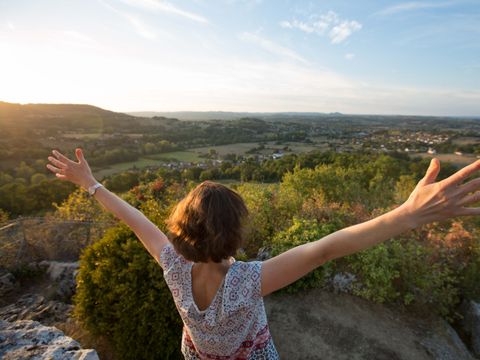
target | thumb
[
  {"x": 79, "y": 154},
  {"x": 432, "y": 172}
]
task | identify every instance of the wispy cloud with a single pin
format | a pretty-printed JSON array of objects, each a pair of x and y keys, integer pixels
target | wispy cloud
[
  {"x": 140, "y": 27},
  {"x": 330, "y": 23},
  {"x": 167, "y": 7},
  {"x": 10, "y": 25},
  {"x": 349, "y": 56},
  {"x": 249, "y": 3},
  {"x": 414, "y": 5},
  {"x": 270, "y": 46}
]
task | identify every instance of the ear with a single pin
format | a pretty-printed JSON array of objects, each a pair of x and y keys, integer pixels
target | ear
[{"x": 432, "y": 172}]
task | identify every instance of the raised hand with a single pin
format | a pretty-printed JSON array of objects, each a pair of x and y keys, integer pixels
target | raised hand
[
  {"x": 436, "y": 201},
  {"x": 78, "y": 173}
]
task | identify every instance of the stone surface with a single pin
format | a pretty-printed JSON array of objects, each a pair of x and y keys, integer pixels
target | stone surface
[
  {"x": 471, "y": 324},
  {"x": 26, "y": 339},
  {"x": 319, "y": 324},
  {"x": 63, "y": 276},
  {"x": 36, "y": 307},
  {"x": 7, "y": 282},
  {"x": 343, "y": 282}
]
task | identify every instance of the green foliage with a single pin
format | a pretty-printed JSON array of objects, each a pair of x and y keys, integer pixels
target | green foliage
[
  {"x": 3, "y": 216},
  {"x": 121, "y": 294},
  {"x": 263, "y": 220},
  {"x": 407, "y": 271},
  {"x": 378, "y": 270},
  {"x": 301, "y": 232},
  {"x": 81, "y": 206}
]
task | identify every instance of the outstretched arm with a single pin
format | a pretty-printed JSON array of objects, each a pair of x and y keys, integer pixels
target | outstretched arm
[
  {"x": 430, "y": 201},
  {"x": 80, "y": 174}
]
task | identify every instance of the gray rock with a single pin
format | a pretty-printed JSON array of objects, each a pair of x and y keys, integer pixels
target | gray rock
[
  {"x": 63, "y": 275},
  {"x": 470, "y": 311},
  {"x": 319, "y": 324},
  {"x": 8, "y": 282},
  {"x": 343, "y": 282},
  {"x": 28, "y": 339},
  {"x": 36, "y": 307},
  {"x": 264, "y": 253}
]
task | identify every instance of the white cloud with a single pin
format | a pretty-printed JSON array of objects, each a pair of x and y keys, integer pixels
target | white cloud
[
  {"x": 338, "y": 29},
  {"x": 167, "y": 7},
  {"x": 349, "y": 56},
  {"x": 342, "y": 31},
  {"x": 270, "y": 46},
  {"x": 10, "y": 25},
  {"x": 414, "y": 5}
]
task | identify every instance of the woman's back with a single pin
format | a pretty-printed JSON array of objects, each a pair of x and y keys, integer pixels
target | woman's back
[{"x": 234, "y": 325}]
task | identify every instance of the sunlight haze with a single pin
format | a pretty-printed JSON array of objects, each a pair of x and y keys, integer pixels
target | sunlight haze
[{"x": 382, "y": 57}]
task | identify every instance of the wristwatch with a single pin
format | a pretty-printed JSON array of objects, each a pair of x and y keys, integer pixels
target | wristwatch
[{"x": 93, "y": 188}]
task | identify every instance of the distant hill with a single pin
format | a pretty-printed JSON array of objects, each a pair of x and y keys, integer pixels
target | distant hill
[
  {"x": 71, "y": 116},
  {"x": 226, "y": 115}
]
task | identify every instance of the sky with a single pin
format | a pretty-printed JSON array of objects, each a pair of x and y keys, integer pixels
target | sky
[{"x": 356, "y": 56}]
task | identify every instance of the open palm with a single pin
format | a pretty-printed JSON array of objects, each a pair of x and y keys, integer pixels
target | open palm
[
  {"x": 77, "y": 172},
  {"x": 436, "y": 201}
]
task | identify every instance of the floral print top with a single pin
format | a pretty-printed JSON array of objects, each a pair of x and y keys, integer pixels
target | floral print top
[{"x": 234, "y": 326}]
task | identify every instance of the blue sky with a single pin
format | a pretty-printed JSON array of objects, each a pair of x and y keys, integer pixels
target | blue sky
[{"x": 370, "y": 57}]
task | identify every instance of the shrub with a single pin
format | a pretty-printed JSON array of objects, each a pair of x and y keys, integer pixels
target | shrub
[
  {"x": 377, "y": 269},
  {"x": 301, "y": 232},
  {"x": 408, "y": 271},
  {"x": 121, "y": 294}
]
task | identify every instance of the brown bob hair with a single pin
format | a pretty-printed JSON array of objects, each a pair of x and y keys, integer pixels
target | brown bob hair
[{"x": 207, "y": 225}]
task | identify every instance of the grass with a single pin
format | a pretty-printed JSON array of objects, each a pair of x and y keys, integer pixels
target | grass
[
  {"x": 150, "y": 160},
  {"x": 242, "y": 148},
  {"x": 185, "y": 156},
  {"x": 458, "y": 160}
]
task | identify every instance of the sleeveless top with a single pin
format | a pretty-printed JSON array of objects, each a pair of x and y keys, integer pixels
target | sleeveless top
[{"x": 234, "y": 326}]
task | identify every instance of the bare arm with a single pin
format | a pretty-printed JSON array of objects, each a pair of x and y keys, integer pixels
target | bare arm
[
  {"x": 430, "y": 201},
  {"x": 80, "y": 174}
]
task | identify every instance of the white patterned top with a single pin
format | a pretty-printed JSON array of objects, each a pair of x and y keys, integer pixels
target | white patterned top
[{"x": 234, "y": 326}]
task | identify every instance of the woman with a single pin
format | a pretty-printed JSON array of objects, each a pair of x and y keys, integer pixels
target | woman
[{"x": 221, "y": 300}]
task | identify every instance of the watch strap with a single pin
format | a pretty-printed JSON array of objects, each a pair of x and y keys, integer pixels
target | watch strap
[{"x": 92, "y": 189}]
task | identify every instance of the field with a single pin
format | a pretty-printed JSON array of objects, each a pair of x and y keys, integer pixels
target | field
[
  {"x": 193, "y": 155},
  {"x": 458, "y": 160},
  {"x": 150, "y": 160},
  {"x": 466, "y": 140},
  {"x": 270, "y": 147}
]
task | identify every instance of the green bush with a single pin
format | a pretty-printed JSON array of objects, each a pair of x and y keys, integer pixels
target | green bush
[
  {"x": 377, "y": 268},
  {"x": 121, "y": 294},
  {"x": 407, "y": 271},
  {"x": 301, "y": 232}
]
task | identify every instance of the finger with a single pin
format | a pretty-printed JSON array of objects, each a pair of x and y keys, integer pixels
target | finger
[
  {"x": 56, "y": 162},
  {"x": 432, "y": 172},
  {"x": 53, "y": 168},
  {"x": 61, "y": 176},
  {"x": 470, "y": 186},
  {"x": 469, "y": 211},
  {"x": 470, "y": 199},
  {"x": 462, "y": 174},
  {"x": 61, "y": 157},
  {"x": 79, "y": 155}
]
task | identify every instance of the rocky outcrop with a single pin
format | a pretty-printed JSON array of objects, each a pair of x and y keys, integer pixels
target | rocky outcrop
[
  {"x": 471, "y": 324},
  {"x": 36, "y": 307},
  {"x": 7, "y": 282},
  {"x": 63, "y": 276},
  {"x": 319, "y": 324},
  {"x": 28, "y": 339}
]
